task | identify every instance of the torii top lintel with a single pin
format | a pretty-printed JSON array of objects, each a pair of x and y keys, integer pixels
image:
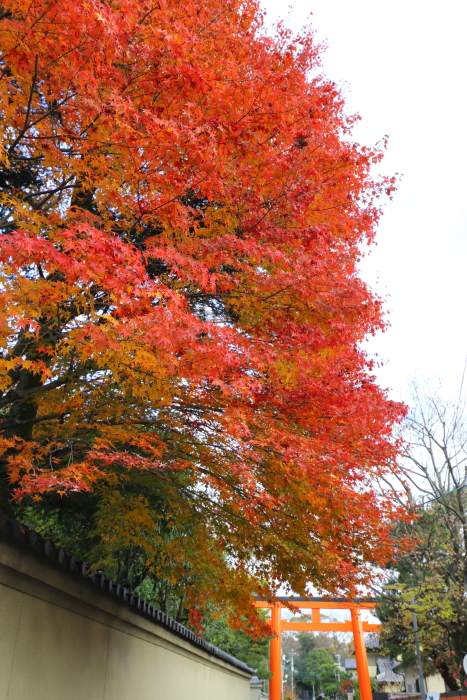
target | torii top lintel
[{"x": 316, "y": 604}]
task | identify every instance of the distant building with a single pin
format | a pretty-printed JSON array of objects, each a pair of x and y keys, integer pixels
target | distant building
[
  {"x": 381, "y": 669},
  {"x": 389, "y": 675},
  {"x": 387, "y": 679},
  {"x": 433, "y": 684}
]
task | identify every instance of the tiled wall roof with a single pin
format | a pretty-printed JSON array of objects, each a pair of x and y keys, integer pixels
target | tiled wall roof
[
  {"x": 372, "y": 640},
  {"x": 385, "y": 672},
  {"x": 22, "y": 534}
]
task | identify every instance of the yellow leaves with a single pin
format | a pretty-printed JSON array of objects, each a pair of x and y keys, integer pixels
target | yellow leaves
[
  {"x": 36, "y": 367},
  {"x": 4, "y": 157},
  {"x": 124, "y": 521},
  {"x": 8, "y": 444},
  {"x": 109, "y": 318},
  {"x": 5, "y": 379}
]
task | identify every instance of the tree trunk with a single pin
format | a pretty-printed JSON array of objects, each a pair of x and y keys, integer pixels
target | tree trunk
[{"x": 24, "y": 410}]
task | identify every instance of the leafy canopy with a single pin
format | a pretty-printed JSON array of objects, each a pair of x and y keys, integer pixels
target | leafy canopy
[{"x": 182, "y": 208}]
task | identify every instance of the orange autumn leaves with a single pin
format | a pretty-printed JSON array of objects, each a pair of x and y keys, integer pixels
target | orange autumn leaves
[{"x": 182, "y": 208}]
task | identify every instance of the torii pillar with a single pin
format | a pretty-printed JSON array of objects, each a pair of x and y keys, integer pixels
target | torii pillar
[
  {"x": 360, "y": 655},
  {"x": 354, "y": 625},
  {"x": 275, "y": 654}
]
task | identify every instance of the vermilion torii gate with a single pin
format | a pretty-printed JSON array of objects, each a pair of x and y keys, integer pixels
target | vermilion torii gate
[{"x": 354, "y": 625}]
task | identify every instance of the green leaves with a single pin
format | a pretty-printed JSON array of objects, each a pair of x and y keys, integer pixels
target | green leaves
[{"x": 315, "y": 667}]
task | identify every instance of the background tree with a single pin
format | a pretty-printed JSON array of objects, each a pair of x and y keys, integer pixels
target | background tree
[
  {"x": 301, "y": 644},
  {"x": 335, "y": 642},
  {"x": 355, "y": 687},
  {"x": 430, "y": 576},
  {"x": 182, "y": 209},
  {"x": 347, "y": 686},
  {"x": 315, "y": 667},
  {"x": 254, "y": 652}
]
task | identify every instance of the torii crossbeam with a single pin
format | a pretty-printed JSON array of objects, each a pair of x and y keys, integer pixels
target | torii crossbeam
[{"x": 354, "y": 625}]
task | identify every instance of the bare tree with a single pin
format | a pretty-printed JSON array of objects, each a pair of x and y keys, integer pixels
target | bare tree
[
  {"x": 435, "y": 462},
  {"x": 430, "y": 578}
]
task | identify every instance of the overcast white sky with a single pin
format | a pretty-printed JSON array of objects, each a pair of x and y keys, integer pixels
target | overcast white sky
[{"x": 403, "y": 67}]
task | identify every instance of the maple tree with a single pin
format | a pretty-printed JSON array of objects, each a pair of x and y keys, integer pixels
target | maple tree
[{"x": 182, "y": 212}]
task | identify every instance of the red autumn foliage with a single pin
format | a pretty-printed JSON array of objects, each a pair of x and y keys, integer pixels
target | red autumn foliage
[{"x": 182, "y": 213}]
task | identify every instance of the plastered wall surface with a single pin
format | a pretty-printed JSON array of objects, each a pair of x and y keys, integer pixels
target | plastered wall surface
[
  {"x": 62, "y": 639},
  {"x": 433, "y": 684}
]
